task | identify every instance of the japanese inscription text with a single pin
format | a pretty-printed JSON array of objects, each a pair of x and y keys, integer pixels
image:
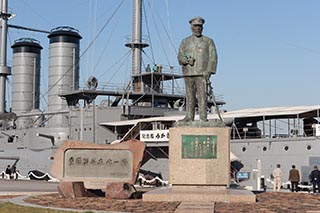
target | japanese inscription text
[
  {"x": 199, "y": 147},
  {"x": 93, "y": 163}
]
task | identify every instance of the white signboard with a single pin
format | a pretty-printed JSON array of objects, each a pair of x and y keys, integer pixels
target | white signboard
[
  {"x": 317, "y": 126},
  {"x": 154, "y": 135}
]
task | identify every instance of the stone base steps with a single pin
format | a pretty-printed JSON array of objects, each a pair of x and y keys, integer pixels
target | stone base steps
[{"x": 195, "y": 207}]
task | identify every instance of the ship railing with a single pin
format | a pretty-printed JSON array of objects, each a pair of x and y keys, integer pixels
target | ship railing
[
  {"x": 166, "y": 69},
  {"x": 264, "y": 138},
  {"x": 122, "y": 88},
  {"x": 240, "y": 135},
  {"x": 247, "y": 133},
  {"x": 174, "y": 86},
  {"x": 167, "y": 90}
]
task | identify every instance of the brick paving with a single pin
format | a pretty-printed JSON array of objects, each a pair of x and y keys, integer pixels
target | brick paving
[
  {"x": 103, "y": 204},
  {"x": 280, "y": 202},
  {"x": 269, "y": 202}
]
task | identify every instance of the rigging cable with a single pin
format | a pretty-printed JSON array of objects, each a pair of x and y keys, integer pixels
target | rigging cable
[
  {"x": 90, "y": 35},
  {"x": 127, "y": 56},
  {"x": 86, "y": 50},
  {"x": 148, "y": 31},
  {"x": 93, "y": 29},
  {"x": 167, "y": 33},
  {"x": 102, "y": 29},
  {"x": 124, "y": 57},
  {"x": 90, "y": 45},
  {"x": 169, "y": 27},
  {"x": 161, "y": 42},
  {"x": 104, "y": 49}
]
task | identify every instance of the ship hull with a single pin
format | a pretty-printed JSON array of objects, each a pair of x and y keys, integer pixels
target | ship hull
[{"x": 301, "y": 152}]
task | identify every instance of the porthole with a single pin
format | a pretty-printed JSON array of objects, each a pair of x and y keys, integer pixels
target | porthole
[
  {"x": 264, "y": 148},
  {"x": 286, "y": 148},
  {"x": 309, "y": 147},
  {"x": 244, "y": 149}
]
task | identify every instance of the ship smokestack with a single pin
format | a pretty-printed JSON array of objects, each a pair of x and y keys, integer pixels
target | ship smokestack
[
  {"x": 25, "y": 78},
  {"x": 63, "y": 70}
]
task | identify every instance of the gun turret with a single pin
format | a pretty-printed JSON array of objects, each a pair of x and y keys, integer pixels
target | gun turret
[{"x": 10, "y": 137}]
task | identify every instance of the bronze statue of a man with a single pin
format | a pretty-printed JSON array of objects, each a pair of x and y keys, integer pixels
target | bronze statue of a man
[{"x": 198, "y": 57}]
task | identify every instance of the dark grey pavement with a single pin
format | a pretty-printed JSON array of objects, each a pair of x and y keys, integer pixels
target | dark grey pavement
[{"x": 26, "y": 187}]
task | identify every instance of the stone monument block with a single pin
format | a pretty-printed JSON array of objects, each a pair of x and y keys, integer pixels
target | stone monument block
[
  {"x": 119, "y": 190},
  {"x": 96, "y": 164},
  {"x": 199, "y": 156},
  {"x": 72, "y": 189}
]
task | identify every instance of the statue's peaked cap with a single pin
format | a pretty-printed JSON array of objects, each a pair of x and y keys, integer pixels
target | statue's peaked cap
[{"x": 197, "y": 21}]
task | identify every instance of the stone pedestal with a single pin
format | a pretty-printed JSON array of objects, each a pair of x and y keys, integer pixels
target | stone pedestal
[
  {"x": 199, "y": 167},
  {"x": 199, "y": 156},
  {"x": 200, "y": 194}
]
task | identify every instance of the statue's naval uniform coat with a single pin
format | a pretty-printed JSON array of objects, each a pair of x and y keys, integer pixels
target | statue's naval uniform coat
[{"x": 202, "y": 49}]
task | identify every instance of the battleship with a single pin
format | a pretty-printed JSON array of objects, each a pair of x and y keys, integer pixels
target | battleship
[
  {"x": 30, "y": 136},
  {"x": 144, "y": 109}
]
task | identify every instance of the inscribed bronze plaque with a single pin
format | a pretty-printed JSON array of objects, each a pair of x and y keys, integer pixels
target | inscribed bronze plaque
[
  {"x": 199, "y": 147},
  {"x": 92, "y": 163}
]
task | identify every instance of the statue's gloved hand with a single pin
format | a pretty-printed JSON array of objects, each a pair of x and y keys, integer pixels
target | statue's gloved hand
[{"x": 185, "y": 60}]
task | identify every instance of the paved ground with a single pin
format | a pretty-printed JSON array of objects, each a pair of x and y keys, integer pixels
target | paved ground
[
  {"x": 26, "y": 186},
  {"x": 279, "y": 202},
  {"x": 269, "y": 202},
  {"x": 103, "y": 204}
]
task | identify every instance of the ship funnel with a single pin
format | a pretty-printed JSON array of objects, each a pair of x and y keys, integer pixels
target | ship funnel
[
  {"x": 63, "y": 70},
  {"x": 25, "y": 78}
]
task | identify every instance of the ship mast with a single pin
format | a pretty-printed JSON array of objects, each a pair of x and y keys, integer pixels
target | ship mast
[
  {"x": 4, "y": 69},
  {"x": 136, "y": 43}
]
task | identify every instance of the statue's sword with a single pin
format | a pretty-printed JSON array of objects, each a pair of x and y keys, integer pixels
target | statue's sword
[{"x": 213, "y": 99}]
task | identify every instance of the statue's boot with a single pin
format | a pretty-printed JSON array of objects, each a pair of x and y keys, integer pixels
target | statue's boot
[{"x": 204, "y": 120}]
